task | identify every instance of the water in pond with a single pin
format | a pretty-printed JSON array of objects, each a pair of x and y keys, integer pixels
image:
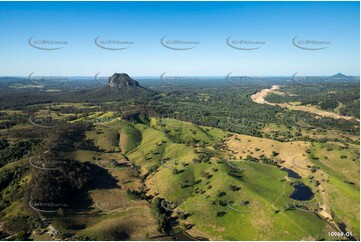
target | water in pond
[
  {"x": 301, "y": 193},
  {"x": 291, "y": 173}
]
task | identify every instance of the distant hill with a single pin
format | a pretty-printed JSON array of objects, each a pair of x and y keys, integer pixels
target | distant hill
[
  {"x": 119, "y": 87},
  {"x": 340, "y": 76}
]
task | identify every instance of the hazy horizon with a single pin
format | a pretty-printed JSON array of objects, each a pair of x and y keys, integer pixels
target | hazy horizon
[{"x": 215, "y": 76}]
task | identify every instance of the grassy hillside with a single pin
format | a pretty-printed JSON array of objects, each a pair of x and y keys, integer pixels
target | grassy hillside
[{"x": 211, "y": 183}]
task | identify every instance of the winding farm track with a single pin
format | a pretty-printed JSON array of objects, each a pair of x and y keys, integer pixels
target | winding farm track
[{"x": 260, "y": 96}]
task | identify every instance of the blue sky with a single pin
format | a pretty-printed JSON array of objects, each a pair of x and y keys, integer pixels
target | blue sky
[{"x": 209, "y": 23}]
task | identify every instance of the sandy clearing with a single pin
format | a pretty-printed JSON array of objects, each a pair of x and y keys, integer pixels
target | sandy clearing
[{"x": 260, "y": 96}]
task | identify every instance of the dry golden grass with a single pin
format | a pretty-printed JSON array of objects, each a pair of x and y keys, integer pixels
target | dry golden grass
[
  {"x": 292, "y": 153},
  {"x": 244, "y": 145}
]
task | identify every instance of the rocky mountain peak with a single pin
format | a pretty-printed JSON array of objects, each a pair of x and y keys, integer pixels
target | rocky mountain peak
[{"x": 121, "y": 80}]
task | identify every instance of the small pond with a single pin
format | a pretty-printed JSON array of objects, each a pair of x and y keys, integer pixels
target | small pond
[
  {"x": 291, "y": 173},
  {"x": 302, "y": 193}
]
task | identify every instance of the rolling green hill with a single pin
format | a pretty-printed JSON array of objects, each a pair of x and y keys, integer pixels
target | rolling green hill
[{"x": 150, "y": 179}]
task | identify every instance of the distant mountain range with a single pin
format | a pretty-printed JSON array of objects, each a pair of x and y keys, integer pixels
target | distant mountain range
[
  {"x": 118, "y": 87},
  {"x": 119, "y": 80}
]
